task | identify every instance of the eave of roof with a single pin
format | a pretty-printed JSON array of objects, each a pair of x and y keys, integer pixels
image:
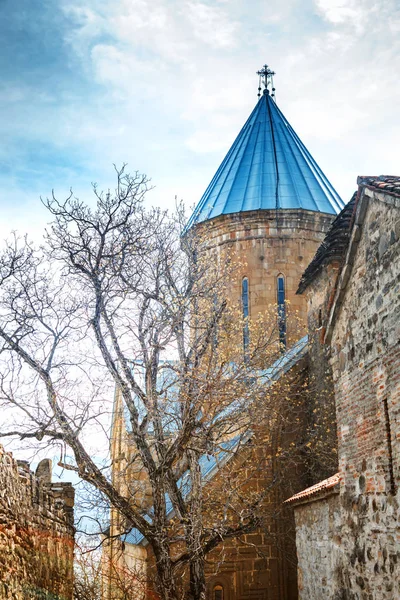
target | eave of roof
[{"x": 317, "y": 491}]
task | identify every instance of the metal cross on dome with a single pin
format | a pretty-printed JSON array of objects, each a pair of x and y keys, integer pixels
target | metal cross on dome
[{"x": 266, "y": 78}]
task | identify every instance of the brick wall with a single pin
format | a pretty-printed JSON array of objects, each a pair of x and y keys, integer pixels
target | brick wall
[
  {"x": 36, "y": 533},
  {"x": 262, "y": 565}
]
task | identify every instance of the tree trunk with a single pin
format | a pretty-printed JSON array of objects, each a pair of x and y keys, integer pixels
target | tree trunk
[
  {"x": 165, "y": 581},
  {"x": 197, "y": 579},
  {"x": 197, "y": 589}
]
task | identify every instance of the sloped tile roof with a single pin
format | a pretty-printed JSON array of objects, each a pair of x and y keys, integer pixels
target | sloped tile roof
[
  {"x": 267, "y": 167},
  {"x": 333, "y": 247},
  {"x": 319, "y": 489}
]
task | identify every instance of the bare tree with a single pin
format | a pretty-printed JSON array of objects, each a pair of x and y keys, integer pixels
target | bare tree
[
  {"x": 87, "y": 571},
  {"x": 123, "y": 294}
]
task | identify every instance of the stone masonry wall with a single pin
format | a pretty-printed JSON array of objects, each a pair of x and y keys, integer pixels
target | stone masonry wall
[
  {"x": 317, "y": 524},
  {"x": 366, "y": 370},
  {"x": 267, "y": 244},
  {"x": 36, "y": 533},
  {"x": 322, "y": 456},
  {"x": 262, "y": 565}
]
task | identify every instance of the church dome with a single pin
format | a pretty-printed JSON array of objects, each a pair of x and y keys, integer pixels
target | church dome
[{"x": 267, "y": 168}]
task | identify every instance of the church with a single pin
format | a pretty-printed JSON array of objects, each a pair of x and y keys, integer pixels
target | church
[{"x": 270, "y": 204}]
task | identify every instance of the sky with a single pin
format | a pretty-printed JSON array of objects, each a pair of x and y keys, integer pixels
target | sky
[{"x": 166, "y": 85}]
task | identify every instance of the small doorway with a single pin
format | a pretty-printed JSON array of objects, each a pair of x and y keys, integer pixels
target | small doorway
[{"x": 218, "y": 592}]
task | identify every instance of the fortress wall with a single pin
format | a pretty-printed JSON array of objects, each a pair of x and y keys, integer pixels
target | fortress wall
[{"x": 36, "y": 532}]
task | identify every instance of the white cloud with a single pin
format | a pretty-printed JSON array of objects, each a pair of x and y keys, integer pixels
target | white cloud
[
  {"x": 210, "y": 24},
  {"x": 340, "y": 11},
  {"x": 194, "y": 63},
  {"x": 173, "y": 82}
]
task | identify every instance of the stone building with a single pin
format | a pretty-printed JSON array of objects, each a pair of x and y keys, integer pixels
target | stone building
[
  {"x": 348, "y": 527},
  {"x": 270, "y": 205},
  {"x": 36, "y": 532}
]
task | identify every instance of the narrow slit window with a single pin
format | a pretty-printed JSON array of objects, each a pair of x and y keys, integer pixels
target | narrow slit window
[
  {"x": 245, "y": 308},
  {"x": 218, "y": 592},
  {"x": 215, "y": 335},
  {"x": 281, "y": 310},
  {"x": 392, "y": 480}
]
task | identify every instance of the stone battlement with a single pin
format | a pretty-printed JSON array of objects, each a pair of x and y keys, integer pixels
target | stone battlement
[{"x": 36, "y": 532}]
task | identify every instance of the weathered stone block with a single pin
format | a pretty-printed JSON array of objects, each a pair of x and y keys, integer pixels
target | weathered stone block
[{"x": 36, "y": 533}]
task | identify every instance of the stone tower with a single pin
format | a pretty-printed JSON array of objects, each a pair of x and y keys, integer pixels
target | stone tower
[{"x": 271, "y": 204}]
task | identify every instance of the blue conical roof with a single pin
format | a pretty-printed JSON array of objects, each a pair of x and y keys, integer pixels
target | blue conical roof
[{"x": 268, "y": 167}]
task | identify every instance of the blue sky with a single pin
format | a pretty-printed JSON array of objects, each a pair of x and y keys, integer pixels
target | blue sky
[{"x": 165, "y": 86}]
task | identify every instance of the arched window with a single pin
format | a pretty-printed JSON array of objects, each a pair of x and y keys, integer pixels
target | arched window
[
  {"x": 245, "y": 309},
  {"x": 215, "y": 311},
  {"x": 218, "y": 592},
  {"x": 281, "y": 309}
]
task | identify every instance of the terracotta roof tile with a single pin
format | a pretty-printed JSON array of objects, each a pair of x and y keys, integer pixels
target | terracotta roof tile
[
  {"x": 315, "y": 490},
  {"x": 390, "y": 183}
]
